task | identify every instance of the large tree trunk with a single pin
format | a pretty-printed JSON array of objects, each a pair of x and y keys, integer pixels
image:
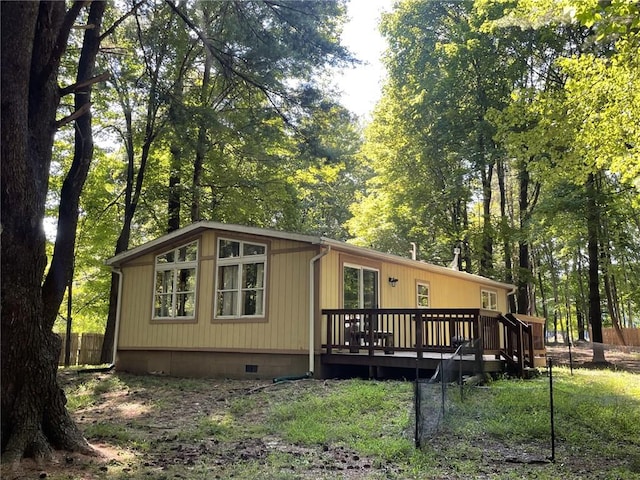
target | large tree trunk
[
  {"x": 595, "y": 312},
  {"x": 34, "y": 417}
]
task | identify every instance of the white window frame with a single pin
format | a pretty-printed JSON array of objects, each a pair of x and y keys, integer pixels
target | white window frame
[
  {"x": 361, "y": 269},
  {"x": 240, "y": 261},
  {"x": 175, "y": 266},
  {"x": 489, "y": 295},
  {"x": 419, "y": 295}
]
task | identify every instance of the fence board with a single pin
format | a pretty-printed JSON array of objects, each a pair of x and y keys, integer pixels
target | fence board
[
  {"x": 85, "y": 349},
  {"x": 631, "y": 336}
]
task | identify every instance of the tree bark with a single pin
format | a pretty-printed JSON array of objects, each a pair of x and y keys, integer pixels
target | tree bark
[
  {"x": 595, "y": 312},
  {"x": 34, "y": 417},
  {"x": 504, "y": 231}
]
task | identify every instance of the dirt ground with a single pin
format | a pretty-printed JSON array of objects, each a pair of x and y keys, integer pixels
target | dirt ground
[
  {"x": 165, "y": 453},
  {"x": 581, "y": 355}
]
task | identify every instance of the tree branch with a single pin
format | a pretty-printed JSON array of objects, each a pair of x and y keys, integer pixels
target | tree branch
[
  {"x": 75, "y": 115},
  {"x": 76, "y": 86}
]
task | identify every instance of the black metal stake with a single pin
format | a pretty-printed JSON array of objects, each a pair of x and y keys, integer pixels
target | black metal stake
[
  {"x": 460, "y": 376},
  {"x": 553, "y": 430},
  {"x": 417, "y": 406},
  {"x": 442, "y": 380}
]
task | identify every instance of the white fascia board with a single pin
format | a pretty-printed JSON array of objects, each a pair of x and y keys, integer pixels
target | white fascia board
[{"x": 206, "y": 225}]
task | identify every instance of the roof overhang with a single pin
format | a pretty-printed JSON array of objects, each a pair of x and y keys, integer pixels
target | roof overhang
[{"x": 198, "y": 227}]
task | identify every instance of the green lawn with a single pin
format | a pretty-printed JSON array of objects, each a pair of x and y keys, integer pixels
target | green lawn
[{"x": 183, "y": 428}]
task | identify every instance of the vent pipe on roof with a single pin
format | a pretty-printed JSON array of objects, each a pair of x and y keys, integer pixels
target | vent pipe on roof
[{"x": 454, "y": 263}]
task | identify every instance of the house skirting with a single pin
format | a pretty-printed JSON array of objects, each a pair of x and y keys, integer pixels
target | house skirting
[{"x": 215, "y": 364}]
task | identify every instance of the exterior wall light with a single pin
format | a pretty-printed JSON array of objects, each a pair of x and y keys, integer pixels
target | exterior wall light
[{"x": 393, "y": 281}]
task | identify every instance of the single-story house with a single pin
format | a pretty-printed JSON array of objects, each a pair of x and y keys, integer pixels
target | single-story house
[{"x": 222, "y": 300}]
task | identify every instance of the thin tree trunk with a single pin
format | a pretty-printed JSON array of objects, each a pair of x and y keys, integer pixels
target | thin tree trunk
[
  {"x": 174, "y": 198},
  {"x": 545, "y": 313},
  {"x": 133, "y": 190},
  {"x": 504, "y": 231},
  {"x": 486, "y": 258},
  {"x": 580, "y": 302},
  {"x": 201, "y": 145},
  {"x": 524, "y": 262}
]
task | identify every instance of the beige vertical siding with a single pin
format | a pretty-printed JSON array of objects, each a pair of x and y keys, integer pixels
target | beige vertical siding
[
  {"x": 284, "y": 329},
  {"x": 445, "y": 291}
]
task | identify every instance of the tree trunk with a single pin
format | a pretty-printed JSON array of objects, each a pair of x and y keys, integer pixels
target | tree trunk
[
  {"x": 595, "y": 312},
  {"x": 175, "y": 191},
  {"x": 613, "y": 304},
  {"x": 580, "y": 302},
  {"x": 505, "y": 231},
  {"x": 524, "y": 262},
  {"x": 543, "y": 296},
  {"x": 201, "y": 145},
  {"x": 133, "y": 190},
  {"x": 486, "y": 258},
  {"x": 34, "y": 417}
]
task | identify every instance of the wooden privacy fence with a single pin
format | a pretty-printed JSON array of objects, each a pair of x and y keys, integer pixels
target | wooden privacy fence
[
  {"x": 85, "y": 349},
  {"x": 631, "y": 336}
]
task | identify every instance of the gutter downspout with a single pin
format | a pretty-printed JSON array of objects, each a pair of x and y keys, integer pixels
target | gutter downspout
[
  {"x": 312, "y": 299},
  {"x": 509, "y": 294},
  {"x": 118, "y": 272}
]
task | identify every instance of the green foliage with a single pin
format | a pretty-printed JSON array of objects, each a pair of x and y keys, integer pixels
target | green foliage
[
  {"x": 235, "y": 87},
  {"x": 541, "y": 94}
]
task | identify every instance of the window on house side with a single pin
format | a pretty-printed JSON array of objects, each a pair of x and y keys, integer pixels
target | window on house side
[
  {"x": 176, "y": 272},
  {"x": 240, "y": 281},
  {"x": 360, "y": 287},
  {"x": 489, "y": 300},
  {"x": 422, "y": 290}
]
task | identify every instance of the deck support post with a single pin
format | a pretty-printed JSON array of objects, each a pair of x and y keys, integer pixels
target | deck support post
[{"x": 419, "y": 335}]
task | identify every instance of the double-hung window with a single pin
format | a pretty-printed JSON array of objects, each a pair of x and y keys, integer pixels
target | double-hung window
[
  {"x": 175, "y": 283},
  {"x": 489, "y": 299},
  {"x": 241, "y": 279},
  {"x": 422, "y": 292}
]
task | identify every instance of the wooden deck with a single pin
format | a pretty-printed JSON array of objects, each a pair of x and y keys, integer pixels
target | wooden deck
[{"x": 423, "y": 338}]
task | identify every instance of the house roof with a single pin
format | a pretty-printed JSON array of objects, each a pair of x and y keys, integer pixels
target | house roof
[{"x": 198, "y": 227}]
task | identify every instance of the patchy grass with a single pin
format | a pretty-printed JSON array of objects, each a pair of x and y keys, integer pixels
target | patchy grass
[{"x": 165, "y": 428}]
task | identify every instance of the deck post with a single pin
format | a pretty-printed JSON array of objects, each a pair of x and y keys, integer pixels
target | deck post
[
  {"x": 419, "y": 336},
  {"x": 531, "y": 353},
  {"x": 370, "y": 333},
  {"x": 330, "y": 338},
  {"x": 520, "y": 348},
  {"x": 478, "y": 325}
]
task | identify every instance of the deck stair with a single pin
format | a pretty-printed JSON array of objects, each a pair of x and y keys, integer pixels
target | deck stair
[{"x": 517, "y": 350}]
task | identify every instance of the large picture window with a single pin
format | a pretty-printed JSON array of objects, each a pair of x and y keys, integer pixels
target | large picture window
[
  {"x": 241, "y": 279},
  {"x": 176, "y": 272}
]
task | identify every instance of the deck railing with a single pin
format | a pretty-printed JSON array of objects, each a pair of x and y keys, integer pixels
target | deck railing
[{"x": 428, "y": 330}]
